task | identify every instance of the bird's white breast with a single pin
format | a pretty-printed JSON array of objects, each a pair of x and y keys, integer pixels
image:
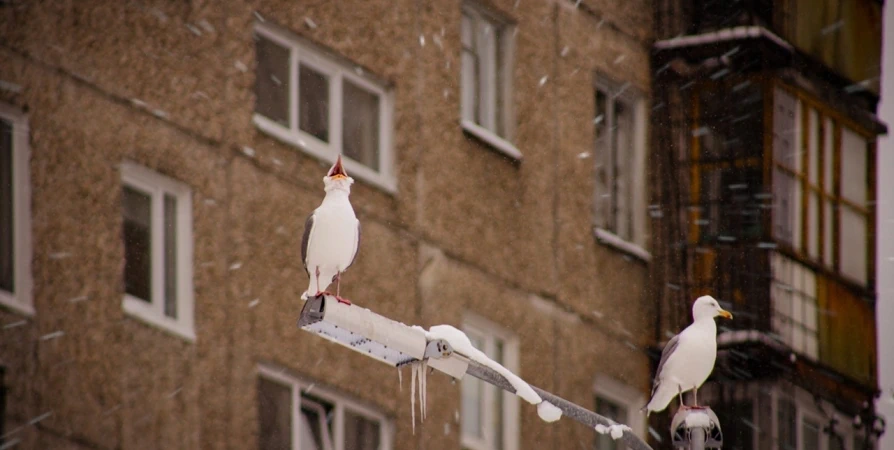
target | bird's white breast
[
  {"x": 334, "y": 236},
  {"x": 693, "y": 360}
]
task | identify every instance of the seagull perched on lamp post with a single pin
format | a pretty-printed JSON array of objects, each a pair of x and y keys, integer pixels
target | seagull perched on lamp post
[
  {"x": 331, "y": 235},
  {"x": 688, "y": 358}
]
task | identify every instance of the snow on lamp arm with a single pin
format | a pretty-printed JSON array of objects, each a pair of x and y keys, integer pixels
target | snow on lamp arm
[{"x": 443, "y": 348}]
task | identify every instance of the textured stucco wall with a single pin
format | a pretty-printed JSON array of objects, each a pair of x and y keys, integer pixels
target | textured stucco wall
[{"x": 468, "y": 230}]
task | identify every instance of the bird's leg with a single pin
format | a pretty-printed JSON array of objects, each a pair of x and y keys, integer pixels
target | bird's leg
[
  {"x": 680, "y": 393},
  {"x": 695, "y": 396},
  {"x": 338, "y": 289},
  {"x": 319, "y": 292}
]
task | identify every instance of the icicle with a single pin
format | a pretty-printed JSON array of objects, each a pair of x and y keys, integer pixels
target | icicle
[
  {"x": 425, "y": 387},
  {"x": 400, "y": 378},
  {"x": 413, "y": 395}
]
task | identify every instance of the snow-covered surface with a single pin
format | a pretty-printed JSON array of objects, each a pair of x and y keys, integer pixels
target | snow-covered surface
[
  {"x": 612, "y": 239},
  {"x": 616, "y": 430},
  {"x": 548, "y": 412},
  {"x": 698, "y": 419},
  {"x": 461, "y": 343},
  {"x": 745, "y": 336},
  {"x": 493, "y": 139},
  {"x": 726, "y": 34}
]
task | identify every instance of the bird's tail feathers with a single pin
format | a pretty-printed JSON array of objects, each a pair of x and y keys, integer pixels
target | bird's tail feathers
[{"x": 661, "y": 397}]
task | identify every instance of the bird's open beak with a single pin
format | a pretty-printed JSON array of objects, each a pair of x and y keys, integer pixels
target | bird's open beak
[
  {"x": 726, "y": 314},
  {"x": 337, "y": 171}
]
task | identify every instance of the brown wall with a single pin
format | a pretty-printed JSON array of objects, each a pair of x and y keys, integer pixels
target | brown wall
[{"x": 467, "y": 230}]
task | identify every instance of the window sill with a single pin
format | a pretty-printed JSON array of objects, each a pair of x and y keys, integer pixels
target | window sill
[
  {"x": 143, "y": 311},
  {"x": 385, "y": 182},
  {"x": 490, "y": 138},
  {"x": 613, "y": 240},
  {"x": 9, "y": 300}
]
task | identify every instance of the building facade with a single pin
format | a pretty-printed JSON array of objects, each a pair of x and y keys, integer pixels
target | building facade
[
  {"x": 764, "y": 154},
  {"x": 158, "y": 162}
]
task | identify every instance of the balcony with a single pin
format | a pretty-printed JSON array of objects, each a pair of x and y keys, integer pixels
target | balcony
[{"x": 779, "y": 221}]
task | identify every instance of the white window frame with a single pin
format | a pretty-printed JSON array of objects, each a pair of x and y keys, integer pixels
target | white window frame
[
  {"x": 339, "y": 401},
  {"x": 156, "y": 185},
  {"x": 628, "y": 397},
  {"x": 302, "y": 52},
  {"x": 636, "y": 102},
  {"x": 20, "y": 301},
  {"x": 491, "y": 333},
  {"x": 503, "y": 82}
]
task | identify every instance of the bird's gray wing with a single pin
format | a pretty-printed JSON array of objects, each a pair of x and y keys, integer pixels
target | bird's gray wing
[
  {"x": 308, "y": 227},
  {"x": 665, "y": 354},
  {"x": 356, "y": 247}
]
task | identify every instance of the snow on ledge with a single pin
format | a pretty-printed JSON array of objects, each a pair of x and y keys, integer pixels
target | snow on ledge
[
  {"x": 461, "y": 343},
  {"x": 726, "y": 34},
  {"x": 616, "y": 431},
  {"x": 492, "y": 139},
  {"x": 611, "y": 239}
]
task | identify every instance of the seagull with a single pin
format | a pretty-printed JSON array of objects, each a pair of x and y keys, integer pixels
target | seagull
[
  {"x": 331, "y": 235},
  {"x": 688, "y": 358}
]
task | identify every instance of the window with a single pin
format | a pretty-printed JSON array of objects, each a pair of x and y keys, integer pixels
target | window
[
  {"x": 620, "y": 170},
  {"x": 727, "y": 173},
  {"x": 322, "y": 104},
  {"x": 489, "y": 414},
  {"x": 821, "y": 187},
  {"x": 786, "y": 422},
  {"x": 15, "y": 212},
  {"x": 795, "y": 308},
  {"x": 157, "y": 249},
  {"x": 620, "y": 403},
  {"x": 486, "y": 78},
  {"x": 738, "y": 424},
  {"x": 296, "y": 415},
  {"x": 613, "y": 411},
  {"x": 786, "y": 417}
]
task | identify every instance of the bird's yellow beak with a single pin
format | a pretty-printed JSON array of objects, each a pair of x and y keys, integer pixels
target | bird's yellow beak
[{"x": 726, "y": 314}]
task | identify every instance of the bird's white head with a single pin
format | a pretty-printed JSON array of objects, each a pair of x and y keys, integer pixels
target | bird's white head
[
  {"x": 337, "y": 178},
  {"x": 706, "y": 307}
]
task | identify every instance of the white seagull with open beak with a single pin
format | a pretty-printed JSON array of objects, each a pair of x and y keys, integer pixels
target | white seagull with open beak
[
  {"x": 688, "y": 358},
  {"x": 331, "y": 235}
]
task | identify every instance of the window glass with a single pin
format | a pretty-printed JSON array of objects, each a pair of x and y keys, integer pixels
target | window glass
[
  {"x": 813, "y": 148},
  {"x": 810, "y": 435},
  {"x": 469, "y": 70},
  {"x": 272, "y": 81},
  {"x": 313, "y": 102},
  {"x": 360, "y": 432},
  {"x": 786, "y": 421},
  {"x": 853, "y": 167},
  {"x": 7, "y": 238},
  {"x": 786, "y": 150},
  {"x": 483, "y": 72},
  {"x": 317, "y": 418},
  {"x": 853, "y": 244},
  {"x": 473, "y": 398},
  {"x": 275, "y": 415},
  {"x": 828, "y": 233},
  {"x": 138, "y": 244},
  {"x": 360, "y": 125},
  {"x": 170, "y": 255},
  {"x": 813, "y": 218}
]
